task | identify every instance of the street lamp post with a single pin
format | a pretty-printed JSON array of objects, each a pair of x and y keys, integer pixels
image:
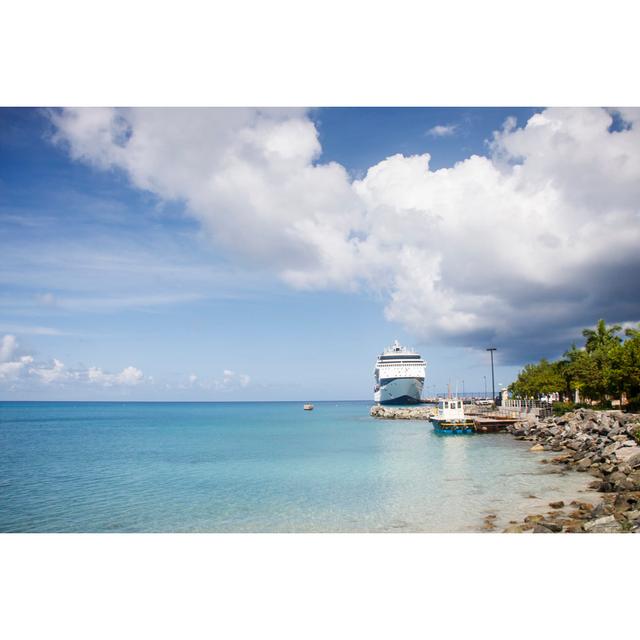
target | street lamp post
[{"x": 493, "y": 384}]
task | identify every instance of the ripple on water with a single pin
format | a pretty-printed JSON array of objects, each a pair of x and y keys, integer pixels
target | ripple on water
[{"x": 257, "y": 467}]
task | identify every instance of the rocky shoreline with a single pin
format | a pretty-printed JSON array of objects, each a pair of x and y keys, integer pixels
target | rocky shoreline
[{"x": 603, "y": 444}]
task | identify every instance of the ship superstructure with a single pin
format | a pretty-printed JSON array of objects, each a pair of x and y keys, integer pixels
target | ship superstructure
[{"x": 399, "y": 376}]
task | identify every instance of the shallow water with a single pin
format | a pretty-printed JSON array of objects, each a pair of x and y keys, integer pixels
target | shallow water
[{"x": 253, "y": 467}]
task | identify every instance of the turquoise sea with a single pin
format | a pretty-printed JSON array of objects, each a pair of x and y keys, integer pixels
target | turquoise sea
[{"x": 256, "y": 467}]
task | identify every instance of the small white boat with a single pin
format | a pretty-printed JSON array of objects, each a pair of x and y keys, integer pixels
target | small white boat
[
  {"x": 308, "y": 407},
  {"x": 450, "y": 417}
]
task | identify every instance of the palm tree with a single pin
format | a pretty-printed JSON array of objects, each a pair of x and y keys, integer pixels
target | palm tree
[
  {"x": 602, "y": 336},
  {"x": 574, "y": 367},
  {"x": 632, "y": 333}
]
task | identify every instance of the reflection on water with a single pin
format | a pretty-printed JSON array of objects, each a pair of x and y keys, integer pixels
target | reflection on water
[
  {"x": 451, "y": 482},
  {"x": 256, "y": 467}
]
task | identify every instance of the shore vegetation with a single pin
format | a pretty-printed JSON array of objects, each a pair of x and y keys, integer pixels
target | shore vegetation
[{"x": 605, "y": 369}]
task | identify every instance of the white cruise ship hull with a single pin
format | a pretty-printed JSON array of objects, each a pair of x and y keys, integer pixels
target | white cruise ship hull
[{"x": 399, "y": 391}]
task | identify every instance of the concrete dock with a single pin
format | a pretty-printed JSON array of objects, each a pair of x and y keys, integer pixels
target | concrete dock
[{"x": 482, "y": 422}]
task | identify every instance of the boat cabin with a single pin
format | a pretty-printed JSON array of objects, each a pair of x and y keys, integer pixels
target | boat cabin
[{"x": 450, "y": 409}]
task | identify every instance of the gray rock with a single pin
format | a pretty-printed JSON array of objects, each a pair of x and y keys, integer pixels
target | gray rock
[
  {"x": 515, "y": 528},
  {"x": 606, "y": 524},
  {"x": 634, "y": 460},
  {"x": 618, "y": 476},
  {"x": 632, "y": 483},
  {"x": 601, "y": 509},
  {"x": 632, "y": 429},
  {"x": 607, "y": 451},
  {"x": 605, "y": 421},
  {"x": 628, "y": 484},
  {"x": 584, "y": 464},
  {"x": 625, "y": 502},
  {"x": 624, "y": 454}
]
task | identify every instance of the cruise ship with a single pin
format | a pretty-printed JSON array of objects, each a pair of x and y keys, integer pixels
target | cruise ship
[{"x": 399, "y": 376}]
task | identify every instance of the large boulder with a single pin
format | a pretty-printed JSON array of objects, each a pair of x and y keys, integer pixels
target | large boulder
[
  {"x": 633, "y": 515},
  {"x": 606, "y": 524},
  {"x": 625, "y": 454},
  {"x": 633, "y": 460},
  {"x": 584, "y": 464},
  {"x": 610, "y": 449},
  {"x": 602, "y": 509}
]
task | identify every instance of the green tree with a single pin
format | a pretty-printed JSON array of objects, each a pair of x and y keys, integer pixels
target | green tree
[
  {"x": 601, "y": 336},
  {"x": 630, "y": 365},
  {"x": 598, "y": 367},
  {"x": 539, "y": 379},
  {"x": 607, "y": 366},
  {"x": 567, "y": 369}
]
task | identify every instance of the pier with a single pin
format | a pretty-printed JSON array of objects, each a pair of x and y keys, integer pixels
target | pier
[
  {"x": 488, "y": 420},
  {"x": 485, "y": 419},
  {"x": 488, "y": 424}
]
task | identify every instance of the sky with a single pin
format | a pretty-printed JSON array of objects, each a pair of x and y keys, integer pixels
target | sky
[{"x": 271, "y": 254}]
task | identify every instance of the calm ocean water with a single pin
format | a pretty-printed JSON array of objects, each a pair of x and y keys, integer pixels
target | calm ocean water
[{"x": 254, "y": 467}]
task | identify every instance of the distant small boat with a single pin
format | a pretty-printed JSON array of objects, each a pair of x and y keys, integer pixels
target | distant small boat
[{"x": 308, "y": 407}]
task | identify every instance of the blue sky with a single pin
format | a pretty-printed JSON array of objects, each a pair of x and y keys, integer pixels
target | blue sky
[
  {"x": 120, "y": 268},
  {"x": 358, "y": 138}
]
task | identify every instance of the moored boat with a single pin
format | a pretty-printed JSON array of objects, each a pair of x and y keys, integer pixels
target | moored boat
[
  {"x": 450, "y": 417},
  {"x": 399, "y": 376}
]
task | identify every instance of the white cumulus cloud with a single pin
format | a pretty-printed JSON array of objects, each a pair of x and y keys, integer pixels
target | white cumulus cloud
[
  {"x": 442, "y": 130},
  {"x": 248, "y": 175},
  {"x": 24, "y": 369},
  {"x": 7, "y": 347},
  {"x": 522, "y": 245},
  {"x": 12, "y": 365},
  {"x": 129, "y": 376},
  {"x": 55, "y": 373},
  {"x": 229, "y": 381},
  {"x": 232, "y": 379}
]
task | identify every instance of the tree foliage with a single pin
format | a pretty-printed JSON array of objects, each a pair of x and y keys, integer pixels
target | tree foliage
[
  {"x": 538, "y": 379},
  {"x": 607, "y": 366}
]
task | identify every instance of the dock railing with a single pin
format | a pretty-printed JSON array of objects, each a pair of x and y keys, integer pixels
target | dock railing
[
  {"x": 538, "y": 408},
  {"x": 514, "y": 408}
]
